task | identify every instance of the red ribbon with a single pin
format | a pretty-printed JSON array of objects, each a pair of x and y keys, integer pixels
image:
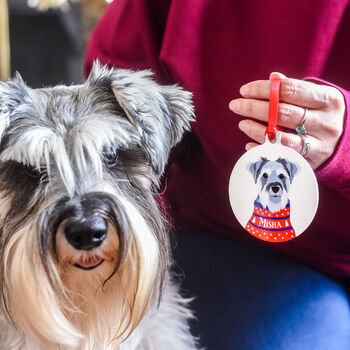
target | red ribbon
[{"x": 271, "y": 128}]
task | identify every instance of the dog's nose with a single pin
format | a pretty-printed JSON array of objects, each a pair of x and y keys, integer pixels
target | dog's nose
[
  {"x": 275, "y": 189},
  {"x": 86, "y": 234}
]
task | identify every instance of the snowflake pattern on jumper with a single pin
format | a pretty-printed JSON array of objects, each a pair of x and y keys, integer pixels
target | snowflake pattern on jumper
[{"x": 271, "y": 227}]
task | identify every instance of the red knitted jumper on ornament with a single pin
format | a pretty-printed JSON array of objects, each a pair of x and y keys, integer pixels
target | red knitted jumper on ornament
[{"x": 271, "y": 227}]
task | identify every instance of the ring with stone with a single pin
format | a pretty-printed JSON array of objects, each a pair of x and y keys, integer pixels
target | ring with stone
[{"x": 300, "y": 129}]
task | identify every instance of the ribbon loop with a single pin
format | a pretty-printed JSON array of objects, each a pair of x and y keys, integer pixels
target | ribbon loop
[{"x": 271, "y": 128}]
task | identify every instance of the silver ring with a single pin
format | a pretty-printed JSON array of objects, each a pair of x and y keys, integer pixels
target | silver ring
[
  {"x": 306, "y": 146},
  {"x": 300, "y": 129}
]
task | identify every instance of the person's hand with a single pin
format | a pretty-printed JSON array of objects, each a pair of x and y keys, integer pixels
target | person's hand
[{"x": 324, "y": 107}]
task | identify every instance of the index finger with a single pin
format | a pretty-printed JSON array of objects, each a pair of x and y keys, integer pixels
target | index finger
[{"x": 297, "y": 92}]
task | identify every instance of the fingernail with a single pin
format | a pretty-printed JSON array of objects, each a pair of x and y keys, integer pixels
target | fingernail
[
  {"x": 243, "y": 90},
  {"x": 243, "y": 126},
  {"x": 248, "y": 147},
  {"x": 234, "y": 106},
  {"x": 275, "y": 75}
]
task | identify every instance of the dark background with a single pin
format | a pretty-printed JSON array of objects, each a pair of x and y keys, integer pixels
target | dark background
[{"x": 47, "y": 48}]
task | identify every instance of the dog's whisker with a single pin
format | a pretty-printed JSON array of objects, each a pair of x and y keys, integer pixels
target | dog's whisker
[{"x": 121, "y": 180}]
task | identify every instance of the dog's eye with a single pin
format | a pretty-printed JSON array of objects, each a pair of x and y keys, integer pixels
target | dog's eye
[
  {"x": 265, "y": 176},
  {"x": 33, "y": 172},
  {"x": 110, "y": 159},
  {"x": 281, "y": 176}
]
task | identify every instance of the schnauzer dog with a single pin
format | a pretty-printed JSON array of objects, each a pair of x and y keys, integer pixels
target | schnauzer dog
[
  {"x": 271, "y": 217},
  {"x": 84, "y": 248}
]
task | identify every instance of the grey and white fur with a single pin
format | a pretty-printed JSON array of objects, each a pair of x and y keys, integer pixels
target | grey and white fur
[
  {"x": 273, "y": 179},
  {"x": 84, "y": 248}
]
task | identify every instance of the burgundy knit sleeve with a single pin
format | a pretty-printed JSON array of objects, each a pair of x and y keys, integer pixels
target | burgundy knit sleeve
[
  {"x": 129, "y": 35},
  {"x": 335, "y": 172}
]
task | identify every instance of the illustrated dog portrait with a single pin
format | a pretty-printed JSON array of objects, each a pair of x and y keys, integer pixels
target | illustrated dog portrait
[
  {"x": 84, "y": 248},
  {"x": 271, "y": 217}
]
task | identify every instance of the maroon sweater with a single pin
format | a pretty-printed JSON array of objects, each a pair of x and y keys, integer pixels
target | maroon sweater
[{"x": 211, "y": 48}]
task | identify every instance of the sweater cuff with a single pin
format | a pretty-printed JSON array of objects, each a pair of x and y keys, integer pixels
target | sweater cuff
[{"x": 335, "y": 172}]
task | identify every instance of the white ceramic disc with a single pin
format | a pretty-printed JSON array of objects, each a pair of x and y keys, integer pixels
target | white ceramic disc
[{"x": 273, "y": 192}]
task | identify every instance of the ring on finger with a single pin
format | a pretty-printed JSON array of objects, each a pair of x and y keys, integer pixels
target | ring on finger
[
  {"x": 300, "y": 129},
  {"x": 306, "y": 145}
]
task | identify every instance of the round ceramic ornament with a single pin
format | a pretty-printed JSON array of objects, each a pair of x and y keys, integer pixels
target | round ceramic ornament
[{"x": 273, "y": 190}]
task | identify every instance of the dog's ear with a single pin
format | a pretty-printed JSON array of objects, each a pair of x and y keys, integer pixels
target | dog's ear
[
  {"x": 255, "y": 167},
  {"x": 291, "y": 168},
  {"x": 12, "y": 94},
  {"x": 160, "y": 114}
]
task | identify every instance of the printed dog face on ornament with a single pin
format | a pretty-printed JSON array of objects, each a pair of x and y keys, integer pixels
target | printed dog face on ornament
[{"x": 270, "y": 220}]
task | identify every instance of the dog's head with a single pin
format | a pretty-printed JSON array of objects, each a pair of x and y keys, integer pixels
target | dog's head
[
  {"x": 273, "y": 179},
  {"x": 80, "y": 229}
]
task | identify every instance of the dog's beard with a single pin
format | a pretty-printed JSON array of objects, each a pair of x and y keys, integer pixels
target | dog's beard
[
  {"x": 61, "y": 306},
  {"x": 275, "y": 203}
]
